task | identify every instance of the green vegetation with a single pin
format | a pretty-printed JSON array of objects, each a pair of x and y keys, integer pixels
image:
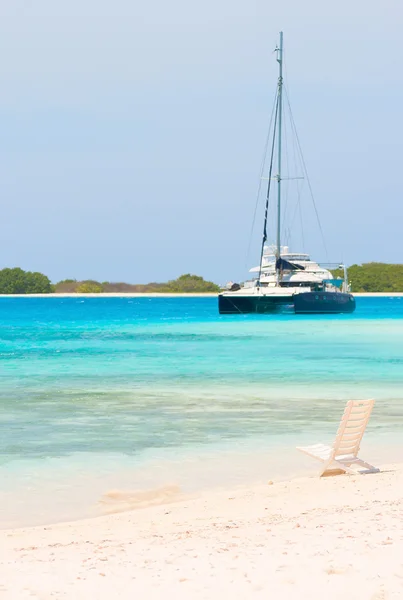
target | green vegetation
[
  {"x": 89, "y": 287},
  {"x": 374, "y": 277},
  {"x": 369, "y": 277},
  {"x": 17, "y": 281},
  {"x": 184, "y": 284},
  {"x": 191, "y": 283}
]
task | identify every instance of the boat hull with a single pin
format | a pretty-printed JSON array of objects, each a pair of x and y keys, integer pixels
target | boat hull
[
  {"x": 259, "y": 304},
  {"x": 323, "y": 303},
  {"x": 302, "y": 303}
]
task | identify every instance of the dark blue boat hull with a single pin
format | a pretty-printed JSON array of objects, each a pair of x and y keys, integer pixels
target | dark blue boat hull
[
  {"x": 304, "y": 303},
  {"x": 323, "y": 303},
  {"x": 235, "y": 305}
]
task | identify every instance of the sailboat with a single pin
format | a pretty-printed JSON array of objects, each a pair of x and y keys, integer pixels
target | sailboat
[{"x": 286, "y": 279}]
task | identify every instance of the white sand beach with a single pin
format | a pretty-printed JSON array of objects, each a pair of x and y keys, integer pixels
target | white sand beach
[{"x": 337, "y": 537}]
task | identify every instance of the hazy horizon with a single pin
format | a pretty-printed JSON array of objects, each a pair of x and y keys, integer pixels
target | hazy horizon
[{"x": 132, "y": 134}]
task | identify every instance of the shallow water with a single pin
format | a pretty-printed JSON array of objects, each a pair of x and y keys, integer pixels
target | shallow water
[{"x": 141, "y": 393}]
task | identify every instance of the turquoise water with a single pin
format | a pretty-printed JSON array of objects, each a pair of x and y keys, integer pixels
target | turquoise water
[{"x": 145, "y": 392}]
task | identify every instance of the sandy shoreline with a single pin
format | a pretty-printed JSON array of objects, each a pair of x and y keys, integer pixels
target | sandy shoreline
[
  {"x": 111, "y": 295},
  {"x": 337, "y": 537},
  {"x": 163, "y": 295}
]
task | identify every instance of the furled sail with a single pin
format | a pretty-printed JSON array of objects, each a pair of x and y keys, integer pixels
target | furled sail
[{"x": 285, "y": 265}]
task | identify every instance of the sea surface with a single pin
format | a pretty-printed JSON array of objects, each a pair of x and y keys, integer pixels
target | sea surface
[{"x": 110, "y": 403}]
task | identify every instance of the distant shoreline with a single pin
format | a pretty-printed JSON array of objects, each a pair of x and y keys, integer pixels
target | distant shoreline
[
  {"x": 113, "y": 295},
  {"x": 169, "y": 295},
  {"x": 379, "y": 294}
]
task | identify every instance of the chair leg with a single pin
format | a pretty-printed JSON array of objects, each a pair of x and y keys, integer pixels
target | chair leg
[
  {"x": 336, "y": 467},
  {"x": 357, "y": 461},
  {"x": 368, "y": 468}
]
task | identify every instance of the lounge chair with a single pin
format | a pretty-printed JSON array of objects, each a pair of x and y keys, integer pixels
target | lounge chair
[{"x": 343, "y": 455}]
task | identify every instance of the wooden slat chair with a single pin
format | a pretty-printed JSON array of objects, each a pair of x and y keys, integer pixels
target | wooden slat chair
[{"x": 343, "y": 455}]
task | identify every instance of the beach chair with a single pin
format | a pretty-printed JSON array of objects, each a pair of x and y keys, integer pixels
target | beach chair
[{"x": 342, "y": 457}]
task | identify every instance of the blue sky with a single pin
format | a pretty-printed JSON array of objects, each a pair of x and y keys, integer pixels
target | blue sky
[{"x": 132, "y": 132}]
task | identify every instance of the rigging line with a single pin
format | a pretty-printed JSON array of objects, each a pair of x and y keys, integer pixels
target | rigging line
[
  {"x": 306, "y": 174},
  {"x": 261, "y": 178},
  {"x": 268, "y": 187},
  {"x": 286, "y": 230},
  {"x": 301, "y": 221},
  {"x": 297, "y": 163},
  {"x": 287, "y": 182},
  {"x": 294, "y": 214},
  {"x": 300, "y": 185}
]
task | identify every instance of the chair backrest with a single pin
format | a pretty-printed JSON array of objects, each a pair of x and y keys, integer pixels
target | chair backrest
[{"x": 352, "y": 427}]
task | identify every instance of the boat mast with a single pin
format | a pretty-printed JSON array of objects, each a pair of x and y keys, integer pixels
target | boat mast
[{"x": 279, "y": 50}]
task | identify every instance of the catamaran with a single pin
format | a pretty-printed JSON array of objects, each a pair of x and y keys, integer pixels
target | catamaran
[{"x": 284, "y": 278}]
